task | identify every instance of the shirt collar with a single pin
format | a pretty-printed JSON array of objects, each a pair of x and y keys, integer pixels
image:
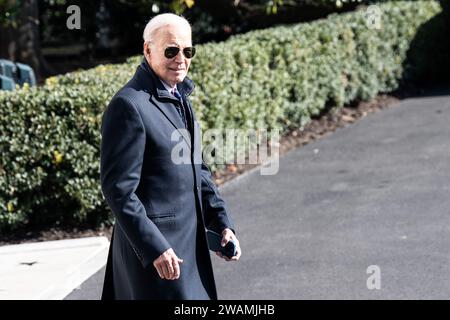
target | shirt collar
[{"x": 168, "y": 88}]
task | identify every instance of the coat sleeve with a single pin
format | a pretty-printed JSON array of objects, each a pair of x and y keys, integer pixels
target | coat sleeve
[
  {"x": 121, "y": 158},
  {"x": 214, "y": 207}
]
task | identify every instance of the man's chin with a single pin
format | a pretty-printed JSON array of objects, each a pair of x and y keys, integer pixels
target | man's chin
[
  {"x": 174, "y": 79},
  {"x": 180, "y": 78}
]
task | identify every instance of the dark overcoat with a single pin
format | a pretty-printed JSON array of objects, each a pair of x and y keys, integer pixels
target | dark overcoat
[{"x": 158, "y": 203}]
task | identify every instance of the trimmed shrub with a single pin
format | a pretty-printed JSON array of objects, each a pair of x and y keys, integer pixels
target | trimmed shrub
[
  {"x": 278, "y": 77},
  {"x": 431, "y": 63}
]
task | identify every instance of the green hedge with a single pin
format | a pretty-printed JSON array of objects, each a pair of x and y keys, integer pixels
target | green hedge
[{"x": 279, "y": 77}]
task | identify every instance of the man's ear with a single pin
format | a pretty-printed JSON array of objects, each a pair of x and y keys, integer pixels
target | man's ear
[{"x": 146, "y": 49}]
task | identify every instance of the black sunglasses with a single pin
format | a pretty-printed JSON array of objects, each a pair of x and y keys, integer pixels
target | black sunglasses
[{"x": 171, "y": 52}]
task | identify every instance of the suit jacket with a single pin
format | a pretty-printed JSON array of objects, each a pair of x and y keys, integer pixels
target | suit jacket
[{"x": 158, "y": 203}]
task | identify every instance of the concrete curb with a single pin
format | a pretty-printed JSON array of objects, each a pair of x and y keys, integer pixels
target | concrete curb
[{"x": 49, "y": 270}]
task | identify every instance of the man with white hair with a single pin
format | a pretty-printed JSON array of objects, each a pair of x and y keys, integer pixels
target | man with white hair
[{"x": 162, "y": 207}]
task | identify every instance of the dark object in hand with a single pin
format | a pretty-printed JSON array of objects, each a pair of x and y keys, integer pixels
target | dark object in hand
[{"x": 214, "y": 243}]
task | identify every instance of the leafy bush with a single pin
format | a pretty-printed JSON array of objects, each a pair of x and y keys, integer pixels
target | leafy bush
[
  {"x": 278, "y": 77},
  {"x": 431, "y": 63}
]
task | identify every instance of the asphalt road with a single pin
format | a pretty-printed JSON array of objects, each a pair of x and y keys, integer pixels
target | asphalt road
[{"x": 375, "y": 193}]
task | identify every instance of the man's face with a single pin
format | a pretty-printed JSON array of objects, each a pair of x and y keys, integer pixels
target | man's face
[{"x": 174, "y": 70}]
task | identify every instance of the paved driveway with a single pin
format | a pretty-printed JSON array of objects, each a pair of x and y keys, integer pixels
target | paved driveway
[{"x": 375, "y": 193}]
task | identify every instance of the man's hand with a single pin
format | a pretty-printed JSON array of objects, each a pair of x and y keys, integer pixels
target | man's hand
[
  {"x": 168, "y": 265},
  {"x": 228, "y": 235}
]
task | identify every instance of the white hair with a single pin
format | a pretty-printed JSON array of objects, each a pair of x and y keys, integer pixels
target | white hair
[{"x": 162, "y": 20}]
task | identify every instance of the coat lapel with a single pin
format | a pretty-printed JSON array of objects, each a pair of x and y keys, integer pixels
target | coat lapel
[{"x": 169, "y": 111}]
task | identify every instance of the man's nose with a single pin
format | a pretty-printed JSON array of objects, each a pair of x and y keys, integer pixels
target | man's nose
[{"x": 179, "y": 57}]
